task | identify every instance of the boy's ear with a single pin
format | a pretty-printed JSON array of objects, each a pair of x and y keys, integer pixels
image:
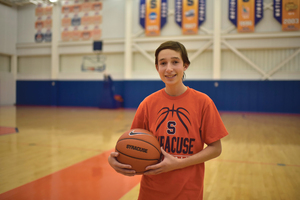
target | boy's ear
[
  {"x": 186, "y": 66},
  {"x": 156, "y": 66}
]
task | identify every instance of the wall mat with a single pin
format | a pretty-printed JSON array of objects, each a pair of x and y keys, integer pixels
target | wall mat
[{"x": 248, "y": 96}]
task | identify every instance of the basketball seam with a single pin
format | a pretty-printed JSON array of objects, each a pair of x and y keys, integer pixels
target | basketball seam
[
  {"x": 135, "y": 157},
  {"x": 140, "y": 140}
]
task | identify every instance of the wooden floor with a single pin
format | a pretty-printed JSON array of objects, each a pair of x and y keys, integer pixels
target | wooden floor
[{"x": 54, "y": 146}]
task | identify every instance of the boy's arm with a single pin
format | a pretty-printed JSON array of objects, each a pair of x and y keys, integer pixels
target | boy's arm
[{"x": 170, "y": 162}]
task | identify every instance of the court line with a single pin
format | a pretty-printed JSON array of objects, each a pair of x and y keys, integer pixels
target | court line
[
  {"x": 8, "y": 130},
  {"x": 253, "y": 162},
  {"x": 91, "y": 179}
]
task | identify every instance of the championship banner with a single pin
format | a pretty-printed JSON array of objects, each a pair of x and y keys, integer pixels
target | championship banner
[
  {"x": 189, "y": 15},
  {"x": 43, "y": 23},
  {"x": 153, "y": 16},
  {"x": 81, "y": 20},
  {"x": 287, "y": 13},
  {"x": 245, "y": 14}
]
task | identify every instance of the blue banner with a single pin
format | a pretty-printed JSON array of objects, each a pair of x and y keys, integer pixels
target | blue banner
[
  {"x": 179, "y": 12},
  {"x": 232, "y": 14},
  {"x": 142, "y": 11},
  {"x": 164, "y": 13},
  {"x": 202, "y": 12},
  {"x": 277, "y": 10},
  {"x": 259, "y": 10}
]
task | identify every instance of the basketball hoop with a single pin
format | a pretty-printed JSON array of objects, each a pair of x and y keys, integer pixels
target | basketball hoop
[{"x": 93, "y": 63}]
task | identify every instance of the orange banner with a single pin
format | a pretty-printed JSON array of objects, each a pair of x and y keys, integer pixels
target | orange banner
[
  {"x": 86, "y": 7},
  {"x": 82, "y": 19},
  {"x": 190, "y": 16},
  {"x": 48, "y": 10},
  {"x": 39, "y": 11},
  {"x": 76, "y": 34},
  {"x": 97, "y": 19},
  {"x": 86, "y": 34},
  {"x": 77, "y": 8},
  {"x": 67, "y": 9},
  {"x": 66, "y": 35},
  {"x": 86, "y": 19},
  {"x": 246, "y": 12},
  {"x": 48, "y": 22},
  {"x": 96, "y": 33},
  {"x": 290, "y": 15},
  {"x": 97, "y": 6},
  {"x": 152, "y": 25},
  {"x": 39, "y": 25},
  {"x": 66, "y": 21}
]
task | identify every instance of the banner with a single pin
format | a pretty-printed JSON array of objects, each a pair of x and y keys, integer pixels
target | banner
[
  {"x": 43, "y": 23},
  {"x": 81, "y": 20},
  {"x": 153, "y": 16},
  {"x": 287, "y": 13},
  {"x": 189, "y": 15},
  {"x": 245, "y": 14}
]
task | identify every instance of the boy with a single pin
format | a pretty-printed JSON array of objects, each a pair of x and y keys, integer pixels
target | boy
[{"x": 183, "y": 120}]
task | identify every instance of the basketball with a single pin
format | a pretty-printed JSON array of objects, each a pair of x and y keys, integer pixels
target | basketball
[{"x": 138, "y": 148}]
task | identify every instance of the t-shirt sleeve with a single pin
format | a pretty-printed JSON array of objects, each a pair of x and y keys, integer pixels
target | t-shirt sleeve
[
  {"x": 212, "y": 128},
  {"x": 140, "y": 119}
]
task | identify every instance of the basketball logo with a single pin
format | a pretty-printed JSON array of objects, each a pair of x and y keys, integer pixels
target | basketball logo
[{"x": 138, "y": 148}]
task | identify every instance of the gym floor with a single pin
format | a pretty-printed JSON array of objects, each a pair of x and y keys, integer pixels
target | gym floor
[{"x": 61, "y": 153}]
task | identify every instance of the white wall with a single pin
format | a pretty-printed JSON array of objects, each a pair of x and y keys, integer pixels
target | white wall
[
  {"x": 8, "y": 30},
  {"x": 26, "y": 20},
  {"x": 266, "y": 53},
  {"x": 5, "y": 63},
  {"x": 240, "y": 53},
  {"x": 8, "y": 40}
]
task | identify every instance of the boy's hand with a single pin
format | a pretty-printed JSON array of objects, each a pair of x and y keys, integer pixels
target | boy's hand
[
  {"x": 169, "y": 163},
  {"x": 119, "y": 167}
]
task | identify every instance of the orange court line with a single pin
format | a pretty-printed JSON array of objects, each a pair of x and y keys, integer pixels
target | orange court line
[
  {"x": 7, "y": 130},
  {"x": 91, "y": 179}
]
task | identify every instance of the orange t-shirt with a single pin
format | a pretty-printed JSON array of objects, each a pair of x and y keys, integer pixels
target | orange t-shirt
[{"x": 182, "y": 124}]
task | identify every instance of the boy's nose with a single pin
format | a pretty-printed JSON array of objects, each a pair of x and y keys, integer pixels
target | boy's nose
[{"x": 169, "y": 67}]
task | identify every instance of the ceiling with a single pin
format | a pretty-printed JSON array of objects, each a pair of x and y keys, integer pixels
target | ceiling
[{"x": 22, "y": 2}]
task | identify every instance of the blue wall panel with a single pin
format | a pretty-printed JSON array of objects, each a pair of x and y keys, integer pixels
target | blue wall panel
[
  {"x": 34, "y": 93},
  {"x": 253, "y": 96},
  {"x": 136, "y": 91},
  {"x": 79, "y": 93},
  {"x": 249, "y": 96}
]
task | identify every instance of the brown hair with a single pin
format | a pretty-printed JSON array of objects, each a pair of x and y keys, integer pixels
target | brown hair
[{"x": 176, "y": 46}]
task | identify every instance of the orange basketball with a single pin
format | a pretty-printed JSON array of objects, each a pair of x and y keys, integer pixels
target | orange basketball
[{"x": 138, "y": 148}]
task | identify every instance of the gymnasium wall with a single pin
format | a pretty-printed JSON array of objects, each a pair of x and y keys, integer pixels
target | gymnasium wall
[
  {"x": 8, "y": 40},
  {"x": 8, "y": 33},
  {"x": 248, "y": 96},
  {"x": 256, "y": 69}
]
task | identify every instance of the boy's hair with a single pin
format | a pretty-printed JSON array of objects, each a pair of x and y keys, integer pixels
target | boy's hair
[{"x": 176, "y": 46}]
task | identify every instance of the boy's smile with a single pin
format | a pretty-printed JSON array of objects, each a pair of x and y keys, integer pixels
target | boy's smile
[{"x": 170, "y": 67}]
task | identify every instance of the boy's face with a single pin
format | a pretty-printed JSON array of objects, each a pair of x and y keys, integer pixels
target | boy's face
[{"x": 170, "y": 67}]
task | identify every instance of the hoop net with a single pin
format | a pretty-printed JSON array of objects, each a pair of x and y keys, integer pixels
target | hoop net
[{"x": 93, "y": 63}]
